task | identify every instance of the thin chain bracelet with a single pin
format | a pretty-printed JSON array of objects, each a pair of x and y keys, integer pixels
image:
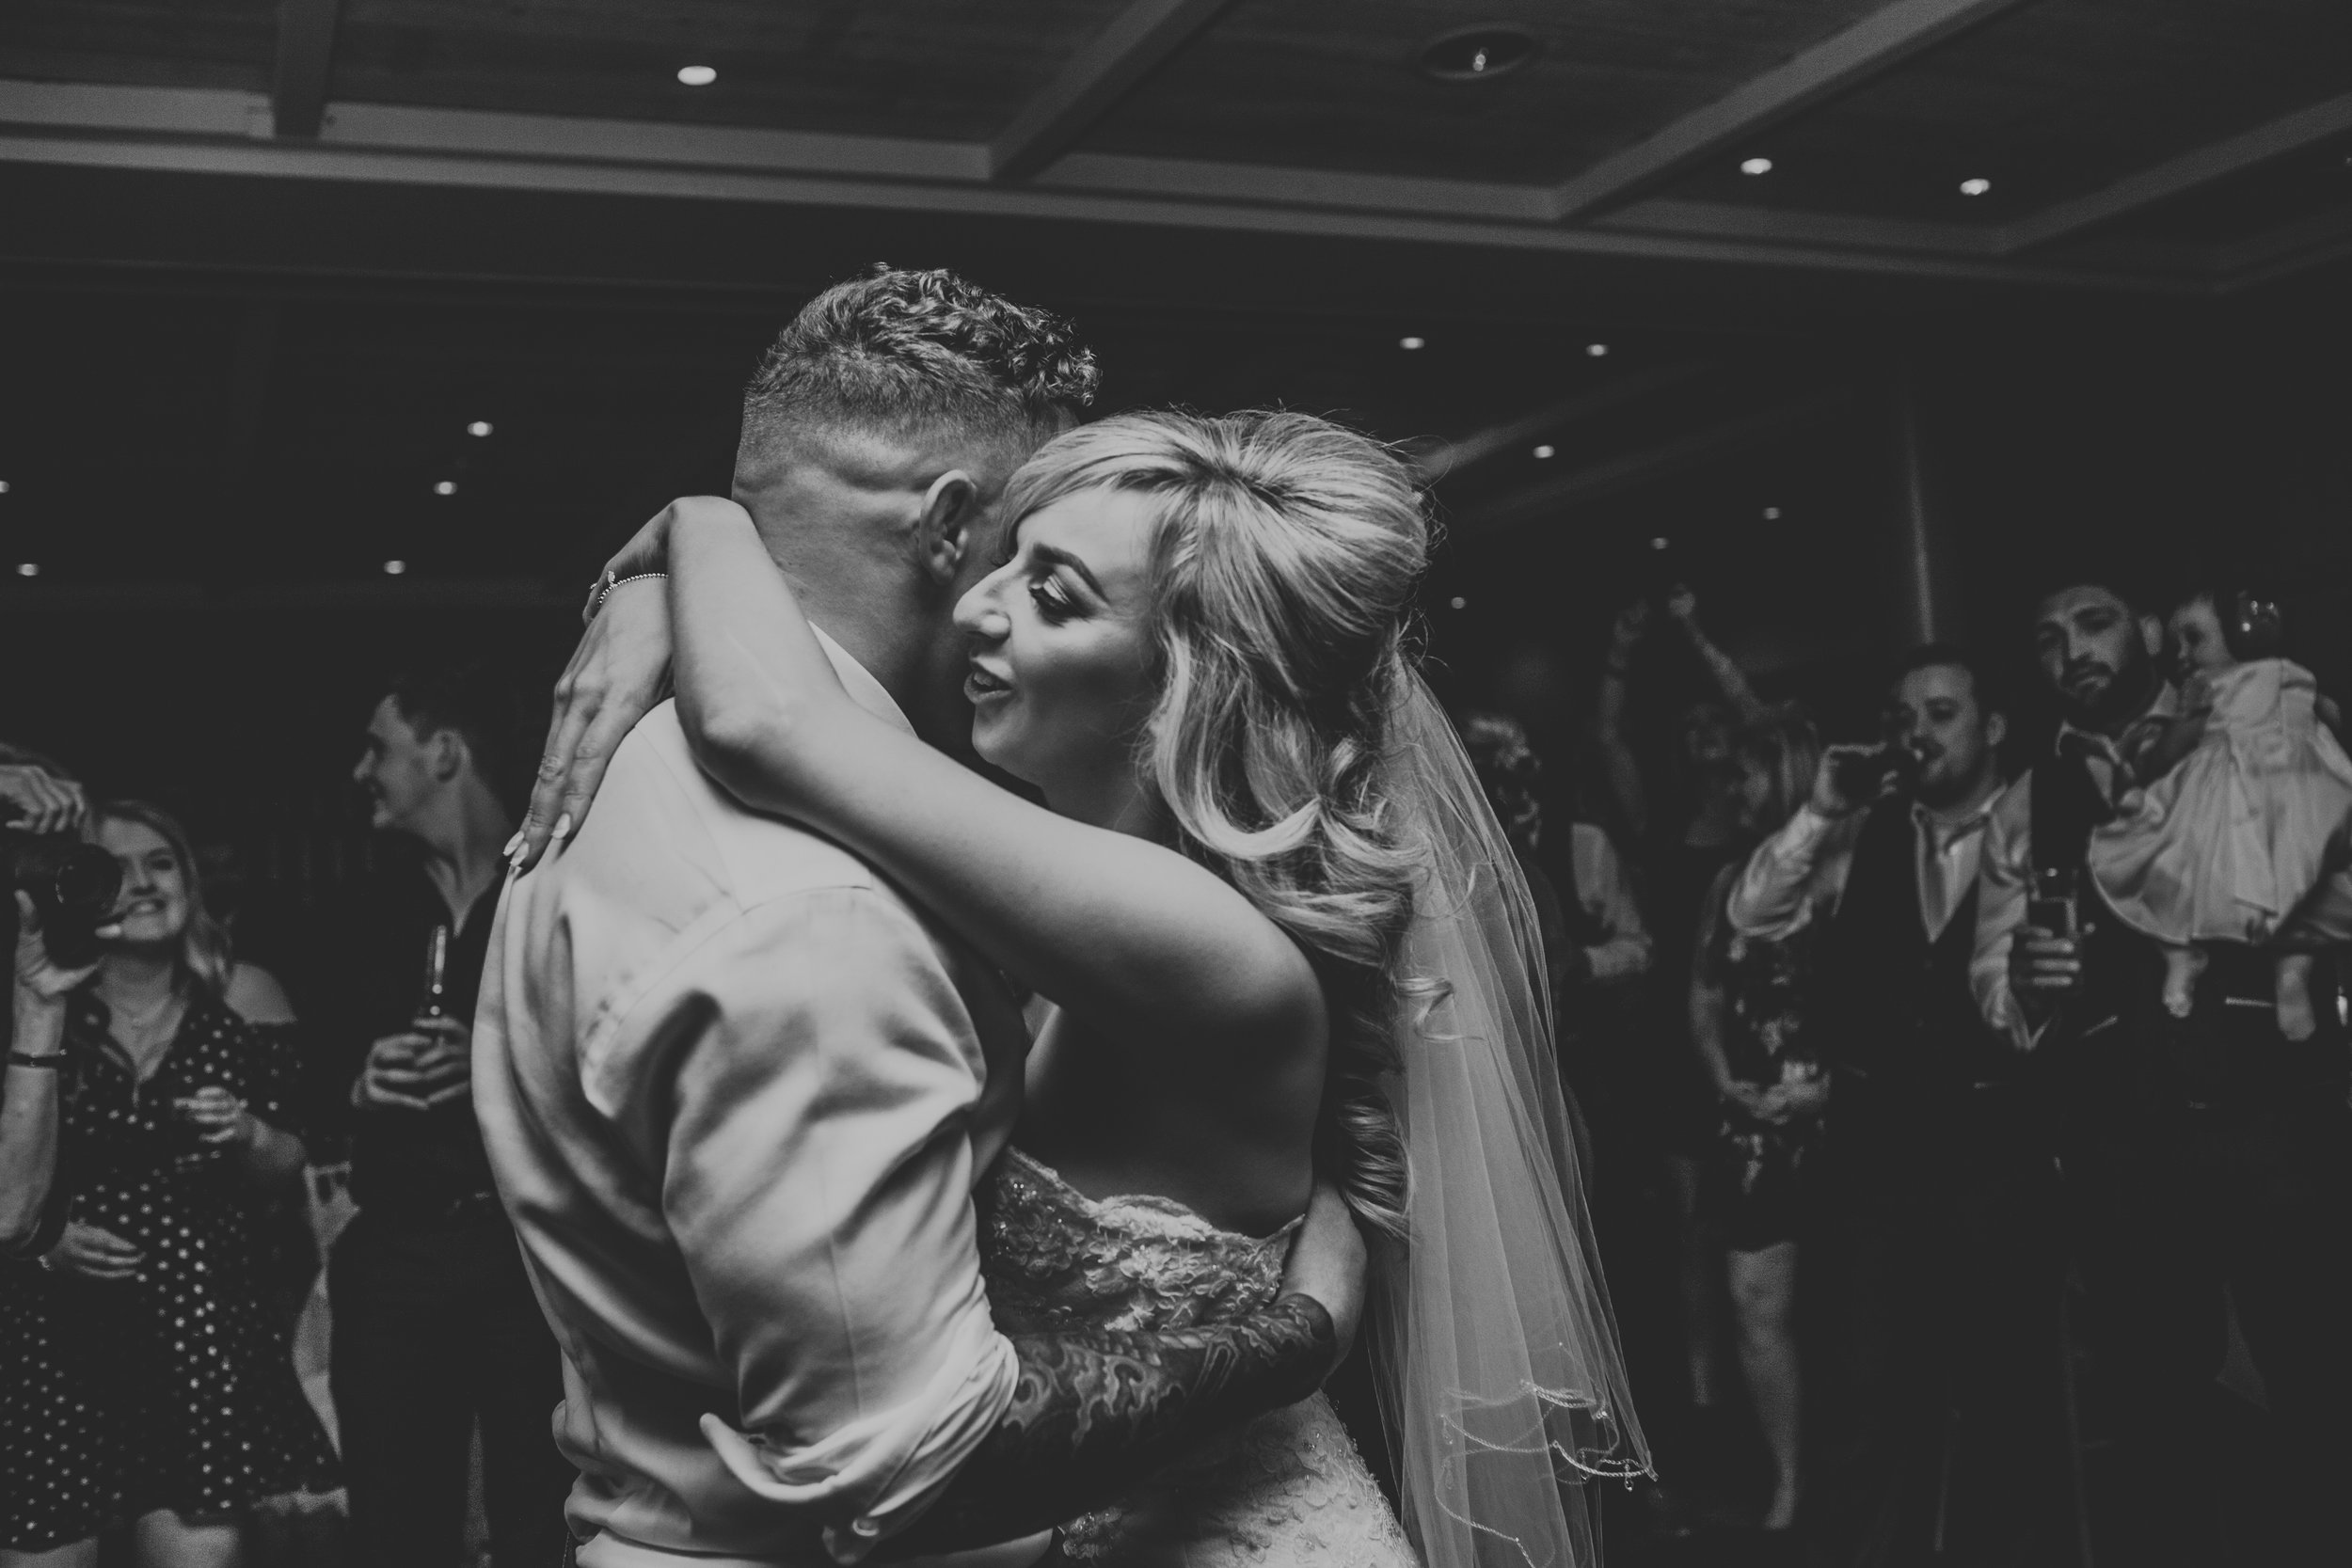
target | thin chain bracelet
[{"x": 608, "y": 582}]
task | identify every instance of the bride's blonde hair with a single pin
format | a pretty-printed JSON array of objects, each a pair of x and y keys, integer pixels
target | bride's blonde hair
[{"x": 1282, "y": 574}]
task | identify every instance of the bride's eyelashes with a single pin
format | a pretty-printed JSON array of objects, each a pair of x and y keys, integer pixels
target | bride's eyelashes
[{"x": 1052, "y": 600}]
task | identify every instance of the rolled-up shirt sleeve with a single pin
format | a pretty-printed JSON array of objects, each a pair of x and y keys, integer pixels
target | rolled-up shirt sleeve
[
  {"x": 2004, "y": 876},
  {"x": 821, "y": 1074},
  {"x": 1775, "y": 896}
]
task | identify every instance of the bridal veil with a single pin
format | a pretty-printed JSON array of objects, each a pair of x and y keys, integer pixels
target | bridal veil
[{"x": 1500, "y": 1373}]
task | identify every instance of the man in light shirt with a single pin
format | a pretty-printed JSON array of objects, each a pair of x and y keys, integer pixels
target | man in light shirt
[
  {"x": 738, "y": 1089},
  {"x": 2208, "y": 1160},
  {"x": 1938, "y": 1243}
]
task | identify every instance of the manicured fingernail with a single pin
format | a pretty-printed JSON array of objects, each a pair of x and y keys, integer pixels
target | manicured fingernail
[
  {"x": 562, "y": 828},
  {"x": 512, "y": 845}
]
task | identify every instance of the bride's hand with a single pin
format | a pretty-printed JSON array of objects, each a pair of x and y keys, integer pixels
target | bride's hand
[
  {"x": 619, "y": 672},
  {"x": 1327, "y": 1262}
]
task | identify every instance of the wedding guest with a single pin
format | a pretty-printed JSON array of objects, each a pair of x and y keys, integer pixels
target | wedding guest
[
  {"x": 1751, "y": 1022},
  {"x": 1593, "y": 937},
  {"x": 2207, "y": 1160},
  {"x": 1940, "y": 1258},
  {"x": 1685, "y": 818},
  {"x": 147, "y": 1379},
  {"x": 436, "y": 1329}
]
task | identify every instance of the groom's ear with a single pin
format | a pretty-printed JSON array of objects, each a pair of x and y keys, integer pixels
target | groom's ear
[{"x": 945, "y": 532}]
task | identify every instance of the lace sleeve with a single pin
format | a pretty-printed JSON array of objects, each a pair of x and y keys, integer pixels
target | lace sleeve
[{"x": 1096, "y": 1410}]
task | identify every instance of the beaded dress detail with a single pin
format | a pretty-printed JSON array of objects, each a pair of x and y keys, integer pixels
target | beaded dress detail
[{"x": 1288, "y": 1487}]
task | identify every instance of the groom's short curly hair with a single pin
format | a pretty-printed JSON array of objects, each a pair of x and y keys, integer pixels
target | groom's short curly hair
[{"x": 899, "y": 349}]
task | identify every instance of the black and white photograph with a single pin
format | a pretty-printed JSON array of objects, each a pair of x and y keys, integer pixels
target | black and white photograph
[{"x": 1176, "y": 783}]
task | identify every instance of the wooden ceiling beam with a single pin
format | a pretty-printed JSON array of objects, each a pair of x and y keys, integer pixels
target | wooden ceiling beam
[
  {"x": 306, "y": 56},
  {"x": 1138, "y": 40},
  {"x": 2190, "y": 171},
  {"x": 1633, "y": 470},
  {"x": 1876, "y": 44}
]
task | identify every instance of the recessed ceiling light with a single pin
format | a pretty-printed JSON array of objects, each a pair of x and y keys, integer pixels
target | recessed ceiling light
[
  {"x": 28, "y": 568},
  {"x": 1546, "y": 450},
  {"x": 1478, "y": 54},
  {"x": 1412, "y": 342},
  {"x": 445, "y": 487},
  {"x": 480, "y": 427},
  {"x": 1660, "y": 543},
  {"x": 1772, "y": 513},
  {"x": 395, "y": 568},
  {"x": 697, "y": 75},
  {"x": 1597, "y": 350},
  {"x": 1459, "y": 602},
  {"x": 1974, "y": 187},
  {"x": 1755, "y": 165}
]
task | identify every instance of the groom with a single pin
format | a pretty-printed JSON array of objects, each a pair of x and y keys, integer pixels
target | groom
[{"x": 737, "y": 1090}]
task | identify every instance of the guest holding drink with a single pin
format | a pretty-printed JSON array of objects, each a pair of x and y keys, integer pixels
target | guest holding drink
[
  {"x": 147, "y": 1378},
  {"x": 435, "y": 1331},
  {"x": 2204, "y": 1157}
]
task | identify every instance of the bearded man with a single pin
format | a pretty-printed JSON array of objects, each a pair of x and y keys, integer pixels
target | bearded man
[{"x": 2207, "y": 1160}]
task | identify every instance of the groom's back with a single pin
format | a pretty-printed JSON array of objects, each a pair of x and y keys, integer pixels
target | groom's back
[{"x": 732, "y": 1088}]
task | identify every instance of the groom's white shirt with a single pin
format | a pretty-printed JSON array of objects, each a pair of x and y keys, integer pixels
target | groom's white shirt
[{"x": 736, "y": 1090}]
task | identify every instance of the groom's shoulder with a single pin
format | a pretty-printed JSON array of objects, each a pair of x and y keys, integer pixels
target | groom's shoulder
[{"x": 659, "y": 824}]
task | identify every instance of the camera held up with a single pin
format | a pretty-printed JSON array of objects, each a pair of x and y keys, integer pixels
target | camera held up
[{"x": 73, "y": 886}]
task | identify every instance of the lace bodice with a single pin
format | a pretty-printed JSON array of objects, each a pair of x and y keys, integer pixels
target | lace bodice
[
  {"x": 1056, "y": 1259},
  {"x": 1288, "y": 1488}
]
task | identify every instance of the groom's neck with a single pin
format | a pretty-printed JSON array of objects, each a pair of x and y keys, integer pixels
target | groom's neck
[
  {"x": 881, "y": 650},
  {"x": 843, "y": 541},
  {"x": 886, "y": 634}
]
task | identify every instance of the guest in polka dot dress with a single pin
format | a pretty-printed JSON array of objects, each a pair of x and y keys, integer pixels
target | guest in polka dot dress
[{"x": 144, "y": 1380}]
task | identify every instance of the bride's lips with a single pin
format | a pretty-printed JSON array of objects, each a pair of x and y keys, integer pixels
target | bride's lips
[{"x": 983, "y": 683}]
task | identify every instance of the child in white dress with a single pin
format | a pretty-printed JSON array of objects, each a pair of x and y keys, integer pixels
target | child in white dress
[{"x": 2242, "y": 810}]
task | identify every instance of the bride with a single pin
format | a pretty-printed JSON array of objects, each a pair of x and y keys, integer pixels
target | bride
[{"x": 1280, "y": 935}]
